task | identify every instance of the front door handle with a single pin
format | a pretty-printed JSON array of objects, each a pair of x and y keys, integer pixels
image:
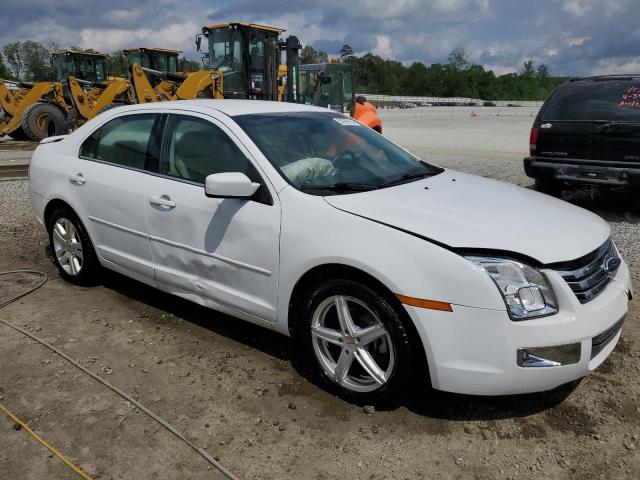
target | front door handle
[
  {"x": 163, "y": 201},
  {"x": 77, "y": 179}
]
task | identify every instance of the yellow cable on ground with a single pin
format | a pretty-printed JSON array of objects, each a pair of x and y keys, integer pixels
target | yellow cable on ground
[{"x": 64, "y": 459}]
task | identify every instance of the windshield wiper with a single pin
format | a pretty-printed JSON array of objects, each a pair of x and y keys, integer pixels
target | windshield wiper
[
  {"x": 406, "y": 178},
  {"x": 341, "y": 187}
]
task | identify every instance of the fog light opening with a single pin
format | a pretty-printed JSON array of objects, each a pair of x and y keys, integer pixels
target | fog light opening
[{"x": 556, "y": 356}]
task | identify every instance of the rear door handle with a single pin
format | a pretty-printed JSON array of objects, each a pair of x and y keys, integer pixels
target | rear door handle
[
  {"x": 163, "y": 201},
  {"x": 77, "y": 179}
]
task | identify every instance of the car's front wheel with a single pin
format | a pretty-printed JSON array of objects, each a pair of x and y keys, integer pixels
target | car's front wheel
[
  {"x": 355, "y": 341},
  {"x": 71, "y": 248}
]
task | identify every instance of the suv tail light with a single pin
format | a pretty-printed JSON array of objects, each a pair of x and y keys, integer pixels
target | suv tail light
[{"x": 533, "y": 139}]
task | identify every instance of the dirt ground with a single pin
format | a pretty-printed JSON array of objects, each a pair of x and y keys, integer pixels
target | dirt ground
[{"x": 234, "y": 389}]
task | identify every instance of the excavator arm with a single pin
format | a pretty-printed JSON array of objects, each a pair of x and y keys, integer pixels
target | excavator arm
[
  {"x": 90, "y": 104},
  {"x": 174, "y": 86},
  {"x": 201, "y": 81},
  {"x": 141, "y": 89},
  {"x": 10, "y": 99}
]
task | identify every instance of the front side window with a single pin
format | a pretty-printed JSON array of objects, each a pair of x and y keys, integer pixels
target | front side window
[
  {"x": 195, "y": 148},
  {"x": 122, "y": 141},
  {"x": 325, "y": 153}
]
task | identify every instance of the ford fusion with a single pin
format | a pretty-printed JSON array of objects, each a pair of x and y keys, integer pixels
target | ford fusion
[{"x": 386, "y": 270}]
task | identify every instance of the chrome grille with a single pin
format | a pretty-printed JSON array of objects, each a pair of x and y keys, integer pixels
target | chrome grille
[{"x": 589, "y": 275}]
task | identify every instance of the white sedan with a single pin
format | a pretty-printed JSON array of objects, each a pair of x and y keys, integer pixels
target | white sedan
[{"x": 386, "y": 270}]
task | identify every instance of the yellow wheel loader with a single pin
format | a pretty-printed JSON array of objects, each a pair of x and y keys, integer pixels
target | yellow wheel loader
[
  {"x": 153, "y": 77},
  {"x": 87, "y": 87},
  {"x": 32, "y": 111}
]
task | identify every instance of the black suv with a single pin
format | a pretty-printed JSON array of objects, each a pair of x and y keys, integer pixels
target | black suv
[{"x": 587, "y": 132}]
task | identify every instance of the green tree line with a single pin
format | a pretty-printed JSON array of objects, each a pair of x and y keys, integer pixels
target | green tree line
[
  {"x": 459, "y": 77},
  {"x": 30, "y": 61}
]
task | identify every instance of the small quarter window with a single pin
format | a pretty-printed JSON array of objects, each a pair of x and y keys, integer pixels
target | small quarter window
[{"x": 122, "y": 141}]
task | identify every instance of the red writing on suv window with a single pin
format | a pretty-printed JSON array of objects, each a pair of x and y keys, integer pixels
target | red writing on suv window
[{"x": 630, "y": 98}]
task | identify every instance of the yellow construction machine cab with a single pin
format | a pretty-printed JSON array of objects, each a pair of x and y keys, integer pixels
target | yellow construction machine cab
[
  {"x": 161, "y": 59},
  {"x": 247, "y": 56},
  {"x": 87, "y": 66}
]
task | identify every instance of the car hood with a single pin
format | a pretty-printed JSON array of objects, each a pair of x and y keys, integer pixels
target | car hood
[{"x": 465, "y": 211}]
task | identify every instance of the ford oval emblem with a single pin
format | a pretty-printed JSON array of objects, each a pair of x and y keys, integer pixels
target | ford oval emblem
[{"x": 611, "y": 264}]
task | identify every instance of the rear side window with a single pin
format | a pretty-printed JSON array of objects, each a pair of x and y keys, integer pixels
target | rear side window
[
  {"x": 612, "y": 100},
  {"x": 122, "y": 141}
]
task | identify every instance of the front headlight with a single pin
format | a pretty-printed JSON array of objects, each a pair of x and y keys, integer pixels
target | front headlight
[{"x": 525, "y": 290}]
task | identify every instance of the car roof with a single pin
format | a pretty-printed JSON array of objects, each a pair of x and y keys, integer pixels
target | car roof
[
  {"x": 230, "y": 107},
  {"x": 621, "y": 76}
]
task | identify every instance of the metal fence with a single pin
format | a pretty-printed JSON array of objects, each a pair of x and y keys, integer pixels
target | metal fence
[{"x": 447, "y": 101}]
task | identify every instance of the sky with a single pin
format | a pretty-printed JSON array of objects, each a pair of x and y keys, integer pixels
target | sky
[{"x": 572, "y": 37}]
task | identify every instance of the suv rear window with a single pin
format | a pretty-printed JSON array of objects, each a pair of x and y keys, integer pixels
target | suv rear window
[{"x": 612, "y": 100}]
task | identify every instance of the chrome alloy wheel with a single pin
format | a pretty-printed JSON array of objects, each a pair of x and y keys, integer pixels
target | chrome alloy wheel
[
  {"x": 67, "y": 246},
  {"x": 351, "y": 344}
]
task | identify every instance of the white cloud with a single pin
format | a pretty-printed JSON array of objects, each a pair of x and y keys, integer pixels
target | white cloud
[
  {"x": 577, "y": 7},
  {"x": 577, "y": 40},
  {"x": 613, "y": 66},
  {"x": 179, "y": 37},
  {"x": 383, "y": 46}
]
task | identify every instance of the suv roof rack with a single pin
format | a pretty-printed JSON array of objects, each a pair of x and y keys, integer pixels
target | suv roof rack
[{"x": 619, "y": 76}]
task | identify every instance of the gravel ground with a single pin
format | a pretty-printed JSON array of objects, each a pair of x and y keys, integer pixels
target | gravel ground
[{"x": 234, "y": 389}]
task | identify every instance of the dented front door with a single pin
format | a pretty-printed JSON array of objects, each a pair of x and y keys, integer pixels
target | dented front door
[{"x": 225, "y": 250}]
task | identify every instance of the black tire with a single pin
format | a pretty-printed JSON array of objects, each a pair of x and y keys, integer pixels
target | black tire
[
  {"x": 392, "y": 391},
  {"x": 19, "y": 135},
  {"x": 42, "y": 120},
  {"x": 90, "y": 268},
  {"x": 550, "y": 187}
]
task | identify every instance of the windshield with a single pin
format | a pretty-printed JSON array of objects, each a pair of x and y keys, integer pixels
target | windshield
[
  {"x": 81, "y": 67},
  {"x": 163, "y": 62},
  {"x": 330, "y": 153},
  {"x": 225, "y": 53},
  {"x": 609, "y": 100},
  {"x": 154, "y": 60}
]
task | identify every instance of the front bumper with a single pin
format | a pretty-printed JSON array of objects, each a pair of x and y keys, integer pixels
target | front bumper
[
  {"x": 613, "y": 174},
  {"x": 475, "y": 351}
]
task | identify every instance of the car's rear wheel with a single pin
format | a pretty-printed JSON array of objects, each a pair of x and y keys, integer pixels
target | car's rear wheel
[
  {"x": 549, "y": 186},
  {"x": 72, "y": 249},
  {"x": 355, "y": 341}
]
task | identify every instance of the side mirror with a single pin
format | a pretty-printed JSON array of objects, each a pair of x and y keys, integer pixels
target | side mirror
[
  {"x": 198, "y": 41},
  {"x": 229, "y": 185}
]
